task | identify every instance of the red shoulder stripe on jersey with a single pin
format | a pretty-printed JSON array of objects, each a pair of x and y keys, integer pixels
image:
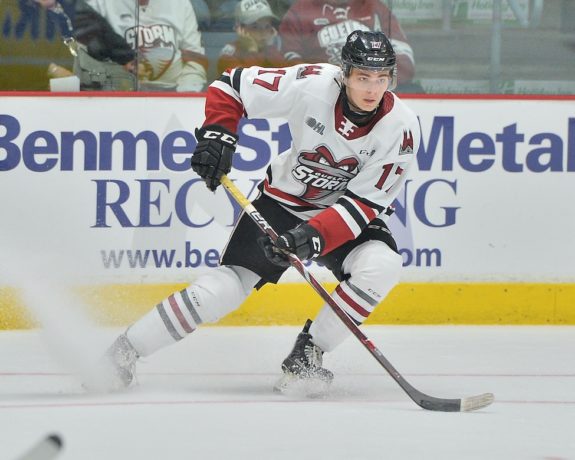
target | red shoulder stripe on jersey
[
  {"x": 333, "y": 228},
  {"x": 222, "y": 109}
]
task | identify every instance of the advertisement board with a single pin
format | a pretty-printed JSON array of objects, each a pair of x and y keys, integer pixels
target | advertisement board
[{"x": 100, "y": 189}]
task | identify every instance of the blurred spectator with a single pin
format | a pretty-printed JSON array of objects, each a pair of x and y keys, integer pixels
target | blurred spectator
[
  {"x": 222, "y": 14},
  {"x": 30, "y": 38},
  {"x": 280, "y": 7},
  {"x": 203, "y": 15},
  {"x": 155, "y": 40},
  {"x": 258, "y": 41},
  {"x": 315, "y": 31},
  {"x": 165, "y": 35}
]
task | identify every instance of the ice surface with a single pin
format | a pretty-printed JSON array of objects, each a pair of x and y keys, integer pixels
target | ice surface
[{"x": 210, "y": 397}]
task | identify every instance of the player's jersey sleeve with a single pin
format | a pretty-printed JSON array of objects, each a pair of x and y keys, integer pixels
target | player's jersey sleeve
[
  {"x": 371, "y": 193},
  {"x": 258, "y": 92}
]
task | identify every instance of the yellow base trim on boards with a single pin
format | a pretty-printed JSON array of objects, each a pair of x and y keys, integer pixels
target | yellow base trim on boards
[{"x": 292, "y": 303}]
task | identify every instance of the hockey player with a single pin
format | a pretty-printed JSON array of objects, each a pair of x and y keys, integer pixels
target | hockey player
[{"x": 354, "y": 142}]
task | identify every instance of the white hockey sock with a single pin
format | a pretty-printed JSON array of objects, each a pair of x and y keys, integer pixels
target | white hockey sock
[
  {"x": 208, "y": 299},
  {"x": 374, "y": 270}
]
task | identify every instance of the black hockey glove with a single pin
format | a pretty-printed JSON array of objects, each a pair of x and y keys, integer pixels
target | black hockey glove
[
  {"x": 304, "y": 241},
  {"x": 213, "y": 155}
]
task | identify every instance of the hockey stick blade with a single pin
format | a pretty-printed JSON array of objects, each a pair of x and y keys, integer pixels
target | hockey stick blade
[
  {"x": 421, "y": 399},
  {"x": 476, "y": 402}
]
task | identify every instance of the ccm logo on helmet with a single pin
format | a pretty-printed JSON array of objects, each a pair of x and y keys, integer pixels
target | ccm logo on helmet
[{"x": 374, "y": 58}]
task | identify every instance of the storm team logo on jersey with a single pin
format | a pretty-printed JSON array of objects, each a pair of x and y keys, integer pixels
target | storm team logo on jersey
[
  {"x": 406, "y": 146},
  {"x": 322, "y": 175},
  {"x": 156, "y": 49}
]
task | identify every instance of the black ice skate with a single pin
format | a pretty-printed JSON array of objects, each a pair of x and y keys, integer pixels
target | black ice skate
[{"x": 302, "y": 369}]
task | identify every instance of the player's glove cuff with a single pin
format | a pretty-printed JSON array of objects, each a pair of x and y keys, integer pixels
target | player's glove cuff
[
  {"x": 304, "y": 241},
  {"x": 217, "y": 133},
  {"x": 213, "y": 154}
]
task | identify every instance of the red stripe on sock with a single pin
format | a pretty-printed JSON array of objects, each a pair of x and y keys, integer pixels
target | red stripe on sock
[
  {"x": 179, "y": 314},
  {"x": 352, "y": 303}
]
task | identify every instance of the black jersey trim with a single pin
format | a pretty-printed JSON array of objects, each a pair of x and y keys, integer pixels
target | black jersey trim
[
  {"x": 371, "y": 204},
  {"x": 357, "y": 216},
  {"x": 225, "y": 78},
  {"x": 236, "y": 79}
]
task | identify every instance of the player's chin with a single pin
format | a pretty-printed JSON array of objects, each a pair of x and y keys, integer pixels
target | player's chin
[{"x": 369, "y": 104}]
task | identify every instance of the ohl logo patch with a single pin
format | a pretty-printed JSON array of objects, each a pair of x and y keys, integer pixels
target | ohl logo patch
[
  {"x": 406, "y": 146},
  {"x": 322, "y": 175}
]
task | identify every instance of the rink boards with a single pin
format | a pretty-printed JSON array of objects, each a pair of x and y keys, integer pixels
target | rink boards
[
  {"x": 293, "y": 303},
  {"x": 99, "y": 196}
]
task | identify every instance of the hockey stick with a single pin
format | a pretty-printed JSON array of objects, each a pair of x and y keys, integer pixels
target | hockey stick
[
  {"x": 46, "y": 449},
  {"x": 421, "y": 399}
]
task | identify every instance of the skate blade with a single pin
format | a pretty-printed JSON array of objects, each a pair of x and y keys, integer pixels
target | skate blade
[{"x": 295, "y": 387}]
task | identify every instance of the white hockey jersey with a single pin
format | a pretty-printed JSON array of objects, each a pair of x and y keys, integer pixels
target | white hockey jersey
[{"x": 337, "y": 175}]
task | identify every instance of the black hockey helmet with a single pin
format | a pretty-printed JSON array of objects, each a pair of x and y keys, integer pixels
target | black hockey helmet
[{"x": 370, "y": 51}]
